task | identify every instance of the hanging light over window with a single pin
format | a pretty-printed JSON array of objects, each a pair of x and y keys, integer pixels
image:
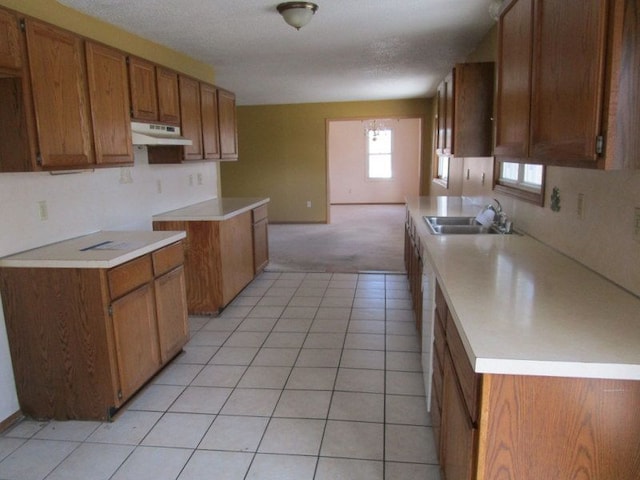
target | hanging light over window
[
  {"x": 372, "y": 128},
  {"x": 297, "y": 14}
]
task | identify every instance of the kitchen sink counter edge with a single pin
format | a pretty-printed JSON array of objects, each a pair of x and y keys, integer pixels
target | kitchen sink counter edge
[
  {"x": 216, "y": 209},
  {"x": 523, "y": 308},
  {"x": 103, "y": 249}
]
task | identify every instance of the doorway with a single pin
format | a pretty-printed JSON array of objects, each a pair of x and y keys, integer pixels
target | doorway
[{"x": 373, "y": 161}]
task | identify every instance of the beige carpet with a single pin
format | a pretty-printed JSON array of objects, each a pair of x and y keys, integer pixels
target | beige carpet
[{"x": 360, "y": 238}]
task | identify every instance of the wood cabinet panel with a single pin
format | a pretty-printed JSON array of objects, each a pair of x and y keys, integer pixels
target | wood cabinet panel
[
  {"x": 171, "y": 309},
  {"x": 167, "y": 258},
  {"x": 227, "y": 123},
  {"x": 513, "y": 105},
  {"x": 458, "y": 435},
  {"x": 210, "y": 127},
  {"x": 568, "y": 78},
  {"x": 56, "y": 326},
  {"x": 469, "y": 380},
  {"x": 551, "y": 427},
  {"x": 59, "y": 84},
  {"x": 237, "y": 255},
  {"x": 259, "y": 213},
  {"x": 260, "y": 246},
  {"x": 191, "y": 119},
  {"x": 168, "y": 96},
  {"x": 143, "y": 88},
  {"x": 128, "y": 276},
  {"x": 10, "y": 50},
  {"x": 473, "y": 109},
  {"x": 110, "y": 111},
  {"x": 136, "y": 339}
]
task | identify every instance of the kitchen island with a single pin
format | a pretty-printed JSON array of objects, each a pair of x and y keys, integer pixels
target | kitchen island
[
  {"x": 531, "y": 360},
  {"x": 91, "y": 319},
  {"x": 226, "y": 247}
]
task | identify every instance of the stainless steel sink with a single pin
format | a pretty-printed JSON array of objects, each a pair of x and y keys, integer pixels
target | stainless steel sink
[{"x": 457, "y": 226}]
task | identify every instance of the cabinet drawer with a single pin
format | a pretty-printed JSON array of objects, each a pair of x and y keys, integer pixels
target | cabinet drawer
[
  {"x": 167, "y": 258},
  {"x": 468, "y": 379},
  {"x": 127, "y": 277},
  {"x": 436, "y": 381},
  {"x": 259, "y": 213}
]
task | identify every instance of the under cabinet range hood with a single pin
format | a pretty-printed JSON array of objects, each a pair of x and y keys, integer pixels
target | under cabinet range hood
[{"x": 155, "y": 134}]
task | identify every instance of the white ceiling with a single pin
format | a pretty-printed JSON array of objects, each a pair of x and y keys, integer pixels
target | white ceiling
[{"x": 351, "y": 49}]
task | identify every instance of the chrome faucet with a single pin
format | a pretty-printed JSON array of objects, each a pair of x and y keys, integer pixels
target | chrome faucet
[{"x": 500, "y": 220}]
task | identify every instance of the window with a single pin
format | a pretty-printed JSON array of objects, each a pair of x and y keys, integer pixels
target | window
[
  {"x": 379, "y": 154},
  {"x": 522, "y": 180}
]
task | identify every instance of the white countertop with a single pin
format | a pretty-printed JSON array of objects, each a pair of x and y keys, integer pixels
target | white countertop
[
  {"x": 523, "y": 308},
  {"x": 217, "y": 209},
  {"x": 97, "y": 250}
]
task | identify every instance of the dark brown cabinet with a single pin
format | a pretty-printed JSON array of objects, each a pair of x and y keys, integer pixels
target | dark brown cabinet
[
  {"x": 10, "y": 43},
  {"x": 561, "y": 66},
  {"x": 413, "y": 264},
  {"x": 168, "y": 96},
  {"x": 464, "y": 111}
]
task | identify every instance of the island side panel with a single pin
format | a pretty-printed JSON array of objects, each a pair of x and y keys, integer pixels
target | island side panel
[
  {"x": 552, "y": 427},
  {"x": 202, "y": 264},
  {"x": 57, "y": 323}
]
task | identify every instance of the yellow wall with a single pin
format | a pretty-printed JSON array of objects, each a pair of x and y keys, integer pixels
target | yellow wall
[
  {"x": 53, "y": 12},
  {"x": 283, "y": 155}
]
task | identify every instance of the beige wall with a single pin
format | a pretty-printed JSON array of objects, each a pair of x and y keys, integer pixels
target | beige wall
[
  {"x": 348, "y": 180},
  {"x": 283, "y": 152},
  {"x": 53, "y": 12}
]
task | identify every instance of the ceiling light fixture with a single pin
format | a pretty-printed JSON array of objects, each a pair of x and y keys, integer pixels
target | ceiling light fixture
[{"x": 297, "y": 14}]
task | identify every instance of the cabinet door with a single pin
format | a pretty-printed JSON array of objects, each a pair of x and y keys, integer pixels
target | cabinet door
[
  {"x": 449, "y": 119},
  {"x": 142, "y": 85},
  {"x": 441, "y": 107},
  {"x": 171, "y": 308},
  {"x": 136, "y": 339},
  {"x": 228, "y": 128},
  {"x": 236, "y": 255},
  {"x": 260, "y": 246},
  {"x": 191, "y": 120},
  {"x": 458, "y": 434},
  {"x": 474, "y": 84},
  {"x": 210, "y": 131},
  {"x": 514, "y": 80},
  {"x": 168, "y": 96},
  {"x": 568, "y": 79},
  {"x": 10, "y": 52},
  {"x": 110, "y": 114},
  {"x": 61, "y": 100}
]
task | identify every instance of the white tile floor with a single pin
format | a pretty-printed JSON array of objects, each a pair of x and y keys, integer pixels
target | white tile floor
[{"x": 304, "y": 376}]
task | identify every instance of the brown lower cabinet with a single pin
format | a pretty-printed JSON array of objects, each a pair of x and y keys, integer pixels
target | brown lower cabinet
[
  {"x": 525, "y": 427},
  {"x": 260, "y": 238},
  {"x": 219, "y": 260},
  {"x": 84, "y": 340}
]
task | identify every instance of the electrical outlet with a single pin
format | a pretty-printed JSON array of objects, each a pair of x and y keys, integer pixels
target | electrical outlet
[
  {"x": 308, "y": 203},
  {"x": 159, "y": 186},
  {"x": 43, "y": 210},
  {"x": 199, "y": 178},
  {"x": 191, "y": 180},
  {"x": 580, "y": 206},
  {"x": 636, "y": 224}
]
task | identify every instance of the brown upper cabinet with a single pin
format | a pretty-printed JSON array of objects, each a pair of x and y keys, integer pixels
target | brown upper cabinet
[
  {"x": 227, "y": 123},
  {"x": 208, "y": 119},
  {"x": 210, "y": 127},
  {"x": 65, "y": 100},
  {"x": 154, "y": 92},
  {"x": 60, "y": 97},
  {"x": 464, "y": 111},
  {"x": 10, "y": 50},
  {"x": 561, "y": 71},
  {"x": 109, "y": 95}
]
